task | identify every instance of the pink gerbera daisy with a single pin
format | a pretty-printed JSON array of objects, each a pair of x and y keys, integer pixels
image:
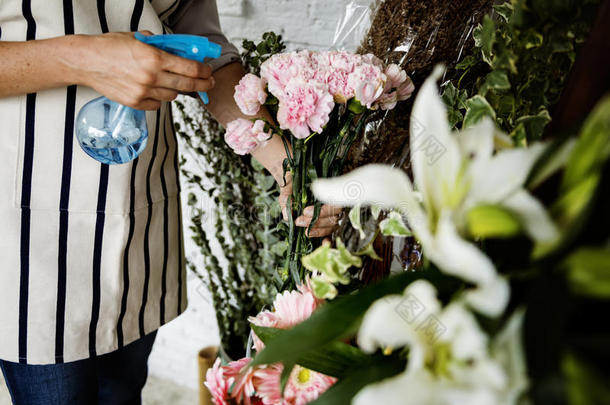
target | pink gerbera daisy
[
  {"x": 303, "y": 385},
  {"x": 218, "y": 384}
]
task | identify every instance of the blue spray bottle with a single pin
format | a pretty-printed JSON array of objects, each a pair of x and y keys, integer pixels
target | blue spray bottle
[{"x": 112, "y": 133}]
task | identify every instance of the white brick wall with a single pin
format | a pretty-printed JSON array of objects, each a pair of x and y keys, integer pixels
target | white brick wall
[{"x": 303, "y": 24}]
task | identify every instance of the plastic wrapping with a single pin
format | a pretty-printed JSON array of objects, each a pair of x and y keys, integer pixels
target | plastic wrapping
[
  {"x": 353, "y": 25},
  {"x": 417, "y": 35}
]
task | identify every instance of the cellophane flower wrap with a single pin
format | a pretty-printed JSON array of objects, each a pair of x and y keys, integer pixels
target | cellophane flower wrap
[{"x": 320, "y": 102}]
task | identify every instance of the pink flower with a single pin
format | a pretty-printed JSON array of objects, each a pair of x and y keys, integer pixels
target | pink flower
[
  {"x": 243, "y": 136},
  {"x": 387, "y": 101},
  {"x": 303, "y": 385},
  {"x": 405, "y": 89},
  {"x": 396, "y": 76},
  {"x": 305, "y": 107},
  {"x": 217, "y": 384},
  {"x": 281, "y": 68},
  {"x": 242, "y": 374},
  {"x": 290, "y": 309},
  {"x": 368, "y": 82},
  {"x": 250, "y": 94},
  {"x": 371, "y": 59}
]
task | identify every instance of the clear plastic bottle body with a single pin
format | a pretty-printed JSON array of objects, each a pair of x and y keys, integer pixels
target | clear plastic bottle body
[{"x": 111, "y": 133}]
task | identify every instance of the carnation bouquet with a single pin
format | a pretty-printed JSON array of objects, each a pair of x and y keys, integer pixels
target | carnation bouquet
[{"x": 319, "y": 102}]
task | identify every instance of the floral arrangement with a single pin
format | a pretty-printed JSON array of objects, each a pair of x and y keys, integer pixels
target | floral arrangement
[
  {"x": 239, "y": 382},
  {"x": 319, "y": 102},
  {"x": 465, "y": 327}
]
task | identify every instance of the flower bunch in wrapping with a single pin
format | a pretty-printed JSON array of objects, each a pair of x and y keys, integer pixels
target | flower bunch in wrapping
[{"x": 320, "y": 102}]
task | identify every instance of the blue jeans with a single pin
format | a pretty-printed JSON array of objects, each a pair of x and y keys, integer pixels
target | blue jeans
[{"x": 115, "y": 378}]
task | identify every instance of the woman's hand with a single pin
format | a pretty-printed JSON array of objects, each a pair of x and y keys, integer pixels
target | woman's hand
[
  {"x": 327, "y": 222},
  {"x": 139, "y": 75},
  {"x": 115, "y": 64}
]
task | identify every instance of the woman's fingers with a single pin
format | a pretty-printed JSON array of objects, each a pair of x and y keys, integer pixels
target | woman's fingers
[
  {"x": 326, "y": 223},
  {"x": 321, "y": 232},
  {"x": 183, "y": 84},
  {"x": 322, "y": 222},
  {"x": 184, "y": 67},
  {"x": 326, "y": 211}
]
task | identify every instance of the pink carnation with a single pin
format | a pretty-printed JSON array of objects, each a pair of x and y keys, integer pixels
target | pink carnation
[
  {"x": 281, "y": 68},
  {"x": 305, "y": 107},
  {"x": 368, "y": 82},
  {"x": 243, "y": 136},
  {"x": 303, "y": 385},
  {"x": 218, "y": 384},
  {"x": 250, "y": 94},
  {"x": 405, "y": 89},
  {"x": 395, "y": 76}
]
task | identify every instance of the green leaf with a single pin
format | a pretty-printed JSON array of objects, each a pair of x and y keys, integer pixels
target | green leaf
[
  {"x": 532, "y": 39},
  {"x": 450, "y": 95},
  {"x": 333, "y": 359},
  {"x": 589, "y": 272},
  {"x": 354, "y": 219},
  {"x": 534, "y": 124},
  {"x": 466, "y": 63},
  {"x": 375, "y": 211},
  {"x": 332, "y": 263},
  {"x": 332, "y": 321},
  {"x": 322, "y": 288},
  {"x": 393, "y": 225},
  {"x": 377, "y": 369},
  {"x": 506, "y": 60},
  {"x": 369, "y": 251},
  {"x": 504, "y": 10},
  {"x": 484, "y": 37},
  {"x": 593, "y": 147},
  {"x": 492, "y": 221},
  {"x": 495, "y": 80},
  {"x": 585, "y": 386},
  {"x": 477, "y": 108}
]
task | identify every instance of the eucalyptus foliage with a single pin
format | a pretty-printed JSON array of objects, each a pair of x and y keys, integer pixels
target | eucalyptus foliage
[{"x": 244, "y": 219}]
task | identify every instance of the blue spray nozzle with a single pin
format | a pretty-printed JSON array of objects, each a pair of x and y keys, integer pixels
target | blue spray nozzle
[{"x": 186, "y": 46}]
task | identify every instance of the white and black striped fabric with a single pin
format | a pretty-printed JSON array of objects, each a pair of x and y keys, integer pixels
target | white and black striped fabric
[{"x": 91, "y": 254}]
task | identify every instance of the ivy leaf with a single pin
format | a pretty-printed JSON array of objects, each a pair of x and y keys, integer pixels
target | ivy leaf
[
  {"x": 504, "y": 10},
  {"x": 532, "y": 39},
  {"x": 506, "y": 60},
  {"x": 477, "y": 107},
  {"x": 322, "y": 288},
  {"x": 354, "y": 219},
  {"x": 332, "y": 263},
  {"x": 393, "y": 225},
  {"x": 450, "y": 95},
  {"x": 375, "y": 211},
  {"x": 466, "y": 63},
  {"x": 534, "y": 124},
  {"x": 484, "y": 37},
  {"x": 495, "y": 80},
  {"x": 369, "y": 251}
]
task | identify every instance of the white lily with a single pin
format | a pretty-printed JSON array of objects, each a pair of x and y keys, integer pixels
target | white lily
[
  {"x": 453, "y": 173},
  {"x": 451, "y": 360}
]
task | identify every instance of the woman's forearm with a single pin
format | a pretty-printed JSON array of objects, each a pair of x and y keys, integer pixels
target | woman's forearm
[
  {"x": 28, "y": 67},
  {"x": 115, "y": 64},
  {"x": 224, "y": 109}
]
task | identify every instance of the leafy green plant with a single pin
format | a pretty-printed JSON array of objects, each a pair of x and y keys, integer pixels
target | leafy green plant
[
  {"x": 243, "y": 217},
  {"x": 522, "y": 58}
]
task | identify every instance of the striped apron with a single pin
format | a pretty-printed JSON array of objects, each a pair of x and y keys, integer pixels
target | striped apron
[{"x": 91, "y": 254}]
